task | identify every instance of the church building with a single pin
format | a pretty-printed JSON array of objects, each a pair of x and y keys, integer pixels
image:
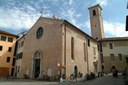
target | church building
[{"x": 55, "y": 48}]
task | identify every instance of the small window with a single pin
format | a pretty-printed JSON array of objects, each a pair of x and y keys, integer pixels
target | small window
[
  {"x": 84, "y": 52},
  {"x": 112, "y": 57},
  {"x": 10, "y": 39},
  {"x": 20, "y": 55},
  {"x": 102, "y": 67},
  {"x": 101, "y": 50},
  {"x": 22, "y": 43},
  {"x": 111, "y": 45},
  {"x": 102, "y": 59},
  {"x": 3, "y": 38},
  {"x": 8, "y": 59},
  {"x": 9, "y": 49},
  {"x": 88, "y": 42},
  {"x": 13, "y": 62},
  {"x": 17, "y": 56},
  {"x": 1, "y": 47},
  {"x": 94, "y": 12},
  {"x": 18, "y": 45},
  {"x": 120, "y": 57},
  {"x": 98, "y": 47}
]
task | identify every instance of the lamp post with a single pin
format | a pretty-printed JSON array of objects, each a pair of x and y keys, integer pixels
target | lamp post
[{"x": 59, "y": 67}]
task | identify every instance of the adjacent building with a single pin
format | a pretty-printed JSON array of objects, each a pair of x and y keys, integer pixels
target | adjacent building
[
  {"x": 113, "y": 53},
  {"x": 112, "y": 50},
  {"x": 7, "y": 53}
]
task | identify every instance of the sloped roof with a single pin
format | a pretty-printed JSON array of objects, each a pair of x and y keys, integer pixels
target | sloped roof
[
  {"x": 61, "y": 22},
  {"x": 95, "y": 6},
  {"x": 7, "y": 33}
]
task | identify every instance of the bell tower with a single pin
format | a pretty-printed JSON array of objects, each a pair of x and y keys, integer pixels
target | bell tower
[{"x": 96, "y": 22}]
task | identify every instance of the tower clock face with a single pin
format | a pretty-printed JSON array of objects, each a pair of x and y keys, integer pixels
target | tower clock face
[{"x": 39, "y": 32}]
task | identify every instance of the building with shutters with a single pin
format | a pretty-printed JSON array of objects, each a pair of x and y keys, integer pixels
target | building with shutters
[{"x": 7, "y": 53}]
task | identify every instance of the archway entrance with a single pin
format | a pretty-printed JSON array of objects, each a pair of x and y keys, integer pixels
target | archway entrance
[
  {"x": 75, "y": 71},
  {"x": 36, "y": 64},
  {"x": 37, "y": 68}
]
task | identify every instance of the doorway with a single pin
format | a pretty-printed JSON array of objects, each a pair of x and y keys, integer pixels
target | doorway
[
  {"x": 36, "y": 64},
  {"x": 37, "y": 68}
]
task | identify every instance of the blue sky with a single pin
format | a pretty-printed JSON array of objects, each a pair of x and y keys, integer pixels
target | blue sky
[{"x": 19, "y": 15}]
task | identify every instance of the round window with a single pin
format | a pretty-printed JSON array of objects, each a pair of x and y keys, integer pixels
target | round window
[{"x": 39, "y": 32}]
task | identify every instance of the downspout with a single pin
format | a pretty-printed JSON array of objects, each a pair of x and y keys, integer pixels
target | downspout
[
  {"x": 65, "y": 48},
  {"x": 87, "y": 56}
]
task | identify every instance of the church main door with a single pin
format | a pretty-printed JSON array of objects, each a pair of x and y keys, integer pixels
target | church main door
[
  {"x": 36, "y": 64},
  {"x": 37, "y": 68}
]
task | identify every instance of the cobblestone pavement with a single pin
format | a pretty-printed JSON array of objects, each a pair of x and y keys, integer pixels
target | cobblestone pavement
[{"x": 106, "y": 80}]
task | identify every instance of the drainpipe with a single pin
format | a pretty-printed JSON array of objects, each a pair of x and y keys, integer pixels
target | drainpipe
[
  {"x": 87, "y": 56},
  {"x": 65, "y": 48}
]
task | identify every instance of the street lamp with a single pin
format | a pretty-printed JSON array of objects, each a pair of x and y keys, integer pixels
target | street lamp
[{"x": 59, "y": 67}]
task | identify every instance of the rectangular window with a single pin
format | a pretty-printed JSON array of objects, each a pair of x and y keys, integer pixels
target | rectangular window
[
  {"x": 98, "y": 47},
  {"x": 9, "y": 49},
  {"x": 17, "y": 56},
  {"x": 84, "y": 52},
  {"x": 10, "y": 39},
  {"x": 102, "y": 67},
  {"x": 20, "y": 55},
  {"x": 88, "y": 42},
  {"x": 18, "y": 45},
  {"x": 94, "y": 12},
  {"x": 102, "y": 59},
  {"x": 22, "y": 43},
  {"x": 120, "y": 57},
  {"x": 1, "y": 47},
  {"x": 110, "y": 45},
  {"x": 101, "y": 50},
  {"x": 8, "y": 59},
  {"x": 72, "y": 48},
  {"x": 13, "y": 63},
  {"x": 3, "y": 38},
  {"x": 112, "y": 57}
]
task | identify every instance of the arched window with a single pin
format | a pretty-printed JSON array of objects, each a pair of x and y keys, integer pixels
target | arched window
[
  {"x": 72, "y": 48},
  {"x": 84, "y": 51}
]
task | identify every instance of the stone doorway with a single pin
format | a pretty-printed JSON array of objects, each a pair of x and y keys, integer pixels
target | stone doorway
[
  {"x": 37, "y": 65},
  {"x": 37, "y": 68}
]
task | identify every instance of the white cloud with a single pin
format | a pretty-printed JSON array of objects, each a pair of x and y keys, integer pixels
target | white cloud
[
  {"x": 114, "y": 29},
  {"x": 19, "y": 17},
  {"x": 101, "y": 2},
  {"x": 15, "y": 19},
  {"x": 87, "y": 24},
  {"x": 70, "y": 2}
]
